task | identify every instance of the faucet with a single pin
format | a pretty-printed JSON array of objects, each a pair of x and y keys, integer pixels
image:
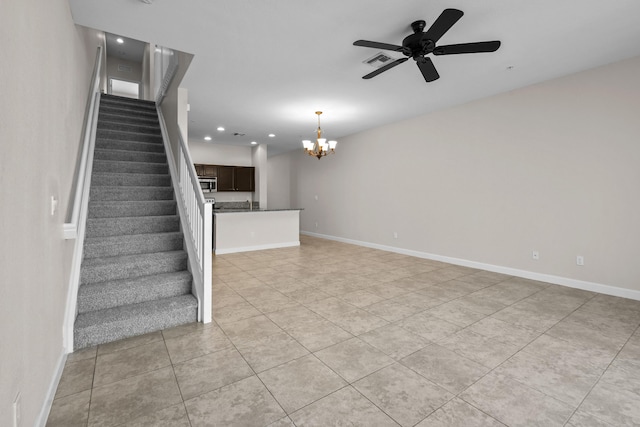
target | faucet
[{"x": 250, "y": 202}]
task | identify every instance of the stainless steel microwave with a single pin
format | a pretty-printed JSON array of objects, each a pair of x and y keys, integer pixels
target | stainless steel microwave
[{"x": 209, "y": 185}]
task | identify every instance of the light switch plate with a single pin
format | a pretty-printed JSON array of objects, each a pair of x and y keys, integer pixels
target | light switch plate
[{"x": 54, "y": 205}]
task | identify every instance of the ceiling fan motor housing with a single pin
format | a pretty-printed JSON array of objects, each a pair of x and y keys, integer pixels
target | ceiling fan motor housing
[{"x": 417, "y": 44}]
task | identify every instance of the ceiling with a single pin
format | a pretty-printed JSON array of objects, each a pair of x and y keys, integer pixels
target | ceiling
[
  {"x": 130, "y": 49},
  {"x": 265, "y": 67}
]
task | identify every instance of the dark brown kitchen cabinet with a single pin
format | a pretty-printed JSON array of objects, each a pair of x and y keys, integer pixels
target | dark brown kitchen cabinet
[
  {"x": 230, "y": 178},
  {"x": 206, "y": 171},
  {"x": 236, "y": 178},
  {"x": 225, "y": 178},
  {"x": 244, "y": 178},
  {"x": 210, "y": 171}
]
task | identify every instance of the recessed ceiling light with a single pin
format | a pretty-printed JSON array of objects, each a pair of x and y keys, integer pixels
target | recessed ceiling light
[
  {"x": 207, "y": 138},
  {"x": 220, "y": 128},
  {"x": 254, "y": 143},
  {"x": 119, "y": 40},
  {"x": 272, "y": 135}
]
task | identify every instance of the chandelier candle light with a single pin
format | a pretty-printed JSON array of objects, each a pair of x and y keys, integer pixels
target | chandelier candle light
[{"x": 321, "y": 147}]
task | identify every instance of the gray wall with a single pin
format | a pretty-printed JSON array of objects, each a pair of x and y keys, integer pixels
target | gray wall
[
  {"x": 135, "y": 75},
  {"x": 174, "y": 105},
  {"x": 279, "y": 191},
  {"x": 44, "y": 90},
  {"x": 551, "y": 167}
]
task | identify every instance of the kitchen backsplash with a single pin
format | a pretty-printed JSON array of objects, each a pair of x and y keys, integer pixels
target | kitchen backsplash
[{"x": 237, "y": 205}]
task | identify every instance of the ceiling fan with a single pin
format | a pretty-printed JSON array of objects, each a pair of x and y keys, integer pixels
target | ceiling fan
[{"x": 421, "y": 43}]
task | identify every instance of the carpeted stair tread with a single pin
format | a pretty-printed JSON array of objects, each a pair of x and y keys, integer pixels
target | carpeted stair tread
[
  {"x": 129, "y": 244},
  {"x": 116, "y": 179},
  {"x": 127, "y": 266},
  {"x": 143, "y": 128},
  {"x": 102, "y": 326},
  {"x": 117, "y": 144},
  {"x": 130, "y": 110},
  {"x": 106, "y": 99},
  {"x": 129, "y": 167},
  {"x": 119, "y": 116},
  {"x": 132, "y": 193},
  {"x": 105, "y": 227},
  {"x": 131, "y": 136},
  {"x": 118, "y": 209},
  {"x": 103, "y": 295},
  {"x": 129, "y": 156}
]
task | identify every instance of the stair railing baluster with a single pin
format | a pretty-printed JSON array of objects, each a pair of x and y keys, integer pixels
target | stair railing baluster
[{"x": 195, "y": 210}]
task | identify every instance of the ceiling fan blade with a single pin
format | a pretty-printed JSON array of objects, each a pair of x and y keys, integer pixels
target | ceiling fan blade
[
  {"x": 377, "y": 45},
  {"x": 385, "y": 68},
  {"x": 453, "y": 49},
  {"x": 427, "y": 69},
  {"x": 447, "y": 18}
]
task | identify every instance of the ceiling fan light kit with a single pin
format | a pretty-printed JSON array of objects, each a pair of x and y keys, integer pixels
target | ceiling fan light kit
[
  {"x": 321, "y": 147},
  {"x": 422, "y": 43}
]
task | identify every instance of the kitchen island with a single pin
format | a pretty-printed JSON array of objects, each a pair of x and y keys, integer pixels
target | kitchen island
[{"x": 243, "y": 230}]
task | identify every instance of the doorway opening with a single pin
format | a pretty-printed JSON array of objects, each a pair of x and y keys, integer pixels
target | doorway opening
[{"x": 124, "y": 88}]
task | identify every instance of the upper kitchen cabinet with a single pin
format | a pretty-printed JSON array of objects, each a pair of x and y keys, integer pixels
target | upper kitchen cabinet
[
  {"x": 236, "y": 178},
  {"x": 210, "y": 171},
  {"x": 244, "y": 178},
  {"x": 206, "y": 171},
  {"x": 230, "y": 178},
  {"x": 225, "y": 178}
]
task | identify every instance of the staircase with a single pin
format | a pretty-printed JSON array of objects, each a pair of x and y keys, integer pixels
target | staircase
[{"x": 134, "y": 277}]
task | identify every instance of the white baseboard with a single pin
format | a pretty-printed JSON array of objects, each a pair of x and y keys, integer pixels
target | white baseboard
[
  {"x": 257, "y": 248},
  {"x": 51, "y": 391},
  {"x": 548, "y": 278}
]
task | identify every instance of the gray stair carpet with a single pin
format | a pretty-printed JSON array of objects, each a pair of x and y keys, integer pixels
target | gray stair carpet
[{"x": 134, "y": 277}]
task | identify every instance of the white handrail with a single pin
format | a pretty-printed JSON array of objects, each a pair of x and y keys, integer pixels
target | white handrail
[
  {"x": 196, "y": 216},
  {"x": 75, "y": 229},
  {"x": 71, "y": 227}
]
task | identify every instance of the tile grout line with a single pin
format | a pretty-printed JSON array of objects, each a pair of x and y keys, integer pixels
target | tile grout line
[
  {"x": 357, "y": 336},
  {"x": 602, "y": 374},
  {"x": 515, "y": 379},
  {"x": 348, "y": 384},
  {"x": 253, "y": 370},
  {"x": 175, "y": 377}
]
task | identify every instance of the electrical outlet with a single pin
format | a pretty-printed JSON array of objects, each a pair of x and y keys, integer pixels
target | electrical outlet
[
  {"x": 316, "y": 224},
  {"x": 253, "y": 234},
  {"x": 580, "y": 260},
  {"x": 395, "y": 234},
  {"x": 17, "y": 411},
  {"x": 535, "y": 255}
]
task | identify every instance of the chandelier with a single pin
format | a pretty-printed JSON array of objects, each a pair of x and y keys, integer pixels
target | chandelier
[{"x": 321, "y": 147}]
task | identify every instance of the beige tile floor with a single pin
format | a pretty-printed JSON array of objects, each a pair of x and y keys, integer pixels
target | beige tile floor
[{"x": 331, "y": 334}]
